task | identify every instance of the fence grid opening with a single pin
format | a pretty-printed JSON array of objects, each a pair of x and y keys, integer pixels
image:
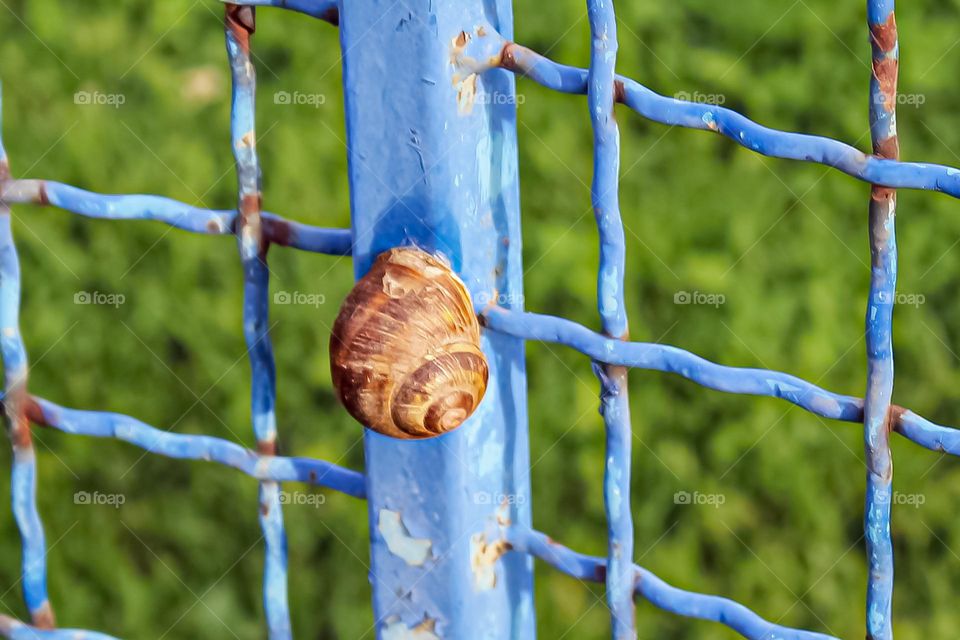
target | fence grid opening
[{"x": 475, "y": 51}]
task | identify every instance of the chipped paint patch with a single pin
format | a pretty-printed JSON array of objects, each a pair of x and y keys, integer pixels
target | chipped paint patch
[
  {"x": 414, "y": 551},
  {"x": 396, "y": 630},
  {"x": 466, "y": 94},
  {"x": 483, "y": 560},
  {"x": 248, "y": 140}
]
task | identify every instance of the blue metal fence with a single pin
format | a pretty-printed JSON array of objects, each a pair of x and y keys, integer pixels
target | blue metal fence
[{"x": 444, "y": 563}]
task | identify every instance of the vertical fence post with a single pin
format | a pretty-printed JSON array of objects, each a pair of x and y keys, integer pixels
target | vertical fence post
[
  {"x": 602, "y": 90},
  {"x": 240, "y": 23},
  {"x": 883, "y": 288},
  {"x": 432, "y": 163},
  {"x": 23, "y": 480}
]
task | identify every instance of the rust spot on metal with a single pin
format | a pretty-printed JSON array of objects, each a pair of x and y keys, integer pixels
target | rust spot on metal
[
  {"x": 17, "y": 406},
  {"x": 264, "y": 509},
  {"x": 20, "y": 432},
  {"x": 43, "y": 617},
  {"x": 508, "y": 58},
  {"x": 267, "y": 447},
  {"x": 483, "y": 559},
  {"x": 213, "y": 226},
  {"x": 894, "y": 417},
  {"x": 481, "y": 31},
  {"x": 619, "y": 91},
  {"x": 250, "y": 206},
  {"x": 331, "y": 15},
  {"x": 242, "y": 23},
  {"x": 886, "y": 70},
  {"x": 4, "y": 169},
  {"x": 888, "y": 148},
  {"x": 885, "y": 35},
  {"x": 42, "y": 198},
  {"x": 882, "y": 194},
  {"x": 278, "y": 231},
  {"x": 33, "y": 412},
  {"x": 600, "y": 573},
  {"x": 461, "y": 40}
]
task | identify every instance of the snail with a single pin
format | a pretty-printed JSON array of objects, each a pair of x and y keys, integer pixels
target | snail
[{"x": 405, "y": 349}]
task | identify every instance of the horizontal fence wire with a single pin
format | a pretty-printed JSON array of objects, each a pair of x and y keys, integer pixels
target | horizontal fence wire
[
  {"x": 256, "y": 231},
  {"x": 276, "y": 229},
  {"x": 181, "y": 446},
  {"x": 488, "y": 49}
]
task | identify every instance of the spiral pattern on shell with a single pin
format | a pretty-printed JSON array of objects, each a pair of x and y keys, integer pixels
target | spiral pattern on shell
[{"x": 405, "y": 349}]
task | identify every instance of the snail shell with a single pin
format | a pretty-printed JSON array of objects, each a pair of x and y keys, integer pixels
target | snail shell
[{"x": 405, "y": 349}]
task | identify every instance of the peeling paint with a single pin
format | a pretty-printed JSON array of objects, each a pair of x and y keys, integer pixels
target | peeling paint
[
  {"x": 397, "y": 630},
  {"x": 466, "y": 94},
  {"x": 483, "y": 560},
  {"x": 414, "y": 551}
]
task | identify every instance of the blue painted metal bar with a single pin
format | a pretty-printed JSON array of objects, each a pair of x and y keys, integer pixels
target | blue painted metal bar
[
  {"x": 879, "y": 323},
  {"x": 16, "y": 630},
  {"x": 760, "y": 382},
  {"x": 614, "y": 400},
  {"x": 492, "y": 50},
  {"x": 101, "y": 424},
  {"x": 23, "y": 481},
  {"x": 432, "y": 162},
  {"x": 253, "y": 253},
  {"x": 654, "y": 590},
  {"x": 659, "y": 357},
  {"x": 276, "y": 229},
  {"x": 326, "y": 10}
]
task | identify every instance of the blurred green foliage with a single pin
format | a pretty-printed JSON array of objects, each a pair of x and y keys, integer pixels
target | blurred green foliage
[{"x": 784, "y": 243}]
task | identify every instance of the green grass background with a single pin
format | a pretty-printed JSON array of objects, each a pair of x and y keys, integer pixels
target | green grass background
[{"x": 785, "y": 243}]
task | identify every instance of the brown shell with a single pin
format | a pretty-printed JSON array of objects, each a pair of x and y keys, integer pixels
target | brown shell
[{"x": 405, "y": 350}]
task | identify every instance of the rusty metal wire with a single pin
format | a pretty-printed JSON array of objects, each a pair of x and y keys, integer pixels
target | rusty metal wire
[{"x": 611, "y": 351}]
